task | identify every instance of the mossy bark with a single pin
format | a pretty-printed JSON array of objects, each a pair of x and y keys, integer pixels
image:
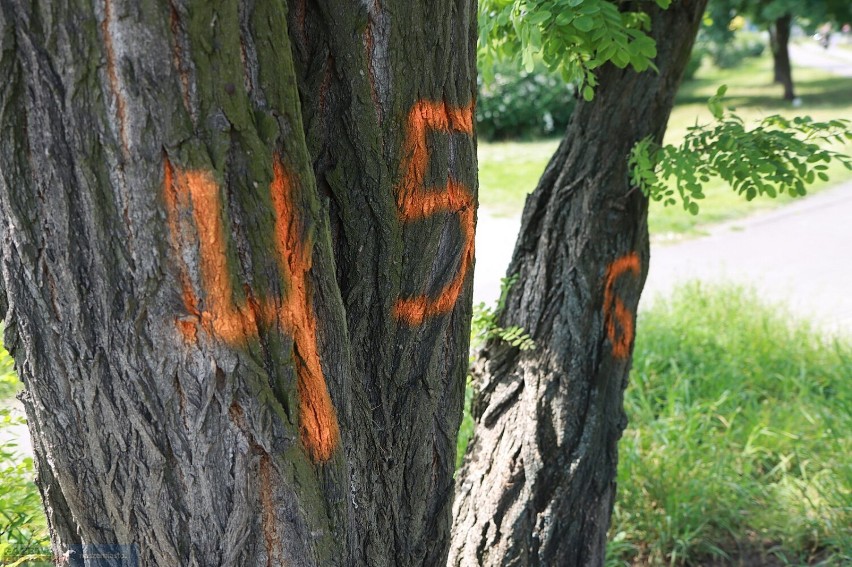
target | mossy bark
[
  {"x": 203, "y": 247},
  {"x": 538, "y": 481}
]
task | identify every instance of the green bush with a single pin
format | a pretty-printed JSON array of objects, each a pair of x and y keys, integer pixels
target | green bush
[
  {"x": 23, "y": 527},
  {"x": 521, "y": 104},
  {"x": 695, "y": 60},
  {"x": 729, "y": 54},
  {"x": 738, "y": 437}
]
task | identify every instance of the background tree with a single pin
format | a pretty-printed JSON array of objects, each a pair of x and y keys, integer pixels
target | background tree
[
  {"x": 548, "y": 420},
  {"x": 778, "y": 17}
]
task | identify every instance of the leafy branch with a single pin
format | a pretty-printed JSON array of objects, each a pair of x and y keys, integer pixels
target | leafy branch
[
  {"x": 573, "y": 37},
  {"x": 485, "y": 326},
  {"x": 779, "y": 155}
]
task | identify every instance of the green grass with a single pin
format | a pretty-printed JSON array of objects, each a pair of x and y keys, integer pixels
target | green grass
[
  {"x": 510, "y": 170},
  {"x": 738, "y": 440}
]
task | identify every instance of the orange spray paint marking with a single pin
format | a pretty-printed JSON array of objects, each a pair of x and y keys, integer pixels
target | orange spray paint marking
[
  {"x": 220, "y": 316},
  {"x": 614, "y": 308},
  {"x": 235, "y": 323},
  {"x": 175, "y": 201},
  {"x": 317, "y": 419},
  {"x": 416, "y": 202}
]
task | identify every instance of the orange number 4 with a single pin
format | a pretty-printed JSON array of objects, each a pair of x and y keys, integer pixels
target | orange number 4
[{"x": 235, "y": 323}]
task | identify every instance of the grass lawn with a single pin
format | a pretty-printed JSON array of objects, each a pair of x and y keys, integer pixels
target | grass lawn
[
  {"x": 738, "y": 444},
  {"x": 509, "y": 170}
]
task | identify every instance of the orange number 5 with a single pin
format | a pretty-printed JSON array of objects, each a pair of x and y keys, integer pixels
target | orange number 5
[{"x": 415, "y": 201}]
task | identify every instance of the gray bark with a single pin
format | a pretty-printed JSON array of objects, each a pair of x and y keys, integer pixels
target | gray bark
[
  {"x": 203, "y": 236},
  {"x": 538, "y": 482}
]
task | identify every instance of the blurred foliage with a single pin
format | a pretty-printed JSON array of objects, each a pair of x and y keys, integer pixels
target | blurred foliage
[
  {"x": 521, "y": 104},
  {"x": 731, "y": 53},
  {"x": 723, "y": 38},
  {"x": 23, "y": 527},
  {"x": 9, "y": 383}
]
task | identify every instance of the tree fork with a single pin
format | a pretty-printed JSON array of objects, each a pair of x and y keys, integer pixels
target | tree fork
[{"x": 200, "y": 271}]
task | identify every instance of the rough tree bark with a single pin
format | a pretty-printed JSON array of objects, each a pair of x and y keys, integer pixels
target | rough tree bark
[
  {"x": 538, "y": 483},
  {"x": 236, "y": 243},
  {"x": 779, "y": 41}
]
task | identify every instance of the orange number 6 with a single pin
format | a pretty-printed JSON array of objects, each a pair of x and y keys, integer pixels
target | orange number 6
[{"x": 614, "y": 308}]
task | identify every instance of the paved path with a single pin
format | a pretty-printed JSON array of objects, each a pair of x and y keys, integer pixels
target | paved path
[
  {"x": 835, "y": 59},
  {"x": 799, "y": 254}
]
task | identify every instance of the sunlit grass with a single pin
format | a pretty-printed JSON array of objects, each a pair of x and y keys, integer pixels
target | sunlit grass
[
  {"x": 508, "y": 171},
  {"x": 738, "y": 437}
]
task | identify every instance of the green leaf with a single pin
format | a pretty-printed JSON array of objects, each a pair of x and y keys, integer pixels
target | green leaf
[
  {"x": 584, "y": 23},
  {"x": 538, "y": 17}
]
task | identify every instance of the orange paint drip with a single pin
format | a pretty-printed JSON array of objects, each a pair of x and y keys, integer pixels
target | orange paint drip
[
  {"x": 415, "y": 201},
  {"x": 317, "y": 418},
  {"x": 614, "y": 308}
]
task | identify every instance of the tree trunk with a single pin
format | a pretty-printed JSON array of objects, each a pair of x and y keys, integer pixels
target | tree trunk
[
  {"x": 241, "y": 319},
  {"x": 779, "y": 40},
  {"x": 538, "y": 483}
]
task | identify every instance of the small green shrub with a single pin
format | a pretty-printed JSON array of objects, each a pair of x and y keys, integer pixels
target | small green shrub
[
  {"x": 731, "y": 51},
  {"x": 485, "y": 326},
  {"x": 522, "y": 104},
  {"x": 738, "y": 436},
  {"x": 696, "y": 58},
  {"x": 23, "y": 527}
]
